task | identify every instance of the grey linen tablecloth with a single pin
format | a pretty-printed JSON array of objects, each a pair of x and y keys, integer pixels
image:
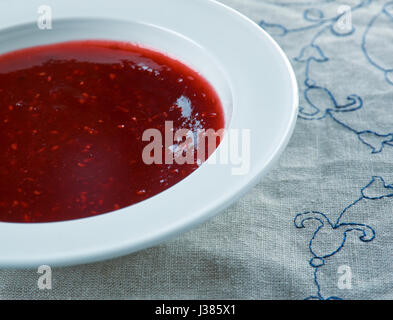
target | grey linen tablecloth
[{"x": 321, "y": 223}]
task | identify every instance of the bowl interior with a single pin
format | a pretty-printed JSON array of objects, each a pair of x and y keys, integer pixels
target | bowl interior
[{"x": 154, "y": 37}]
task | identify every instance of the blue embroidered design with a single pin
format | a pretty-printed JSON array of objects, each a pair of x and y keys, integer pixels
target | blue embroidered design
[
  {"x": 374, "y": 57},
  {"x": 312, "y": 53},
  {"x": 376, "y": 189}
]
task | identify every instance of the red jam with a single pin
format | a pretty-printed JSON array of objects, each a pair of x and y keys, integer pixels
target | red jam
[{"x": 72, "y": 116}]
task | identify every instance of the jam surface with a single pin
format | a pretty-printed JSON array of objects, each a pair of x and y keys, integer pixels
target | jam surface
[{"x": 72, "y": 116}]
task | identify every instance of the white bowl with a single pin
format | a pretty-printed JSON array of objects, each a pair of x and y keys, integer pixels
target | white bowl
[{"x": 250, "y": 72}]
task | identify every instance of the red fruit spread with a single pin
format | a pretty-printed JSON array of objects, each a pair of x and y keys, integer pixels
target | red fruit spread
[{"x": 72, "y": 116}]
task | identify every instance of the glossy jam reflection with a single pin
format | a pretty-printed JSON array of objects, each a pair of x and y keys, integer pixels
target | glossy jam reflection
[{"x": 71, "y": 120}]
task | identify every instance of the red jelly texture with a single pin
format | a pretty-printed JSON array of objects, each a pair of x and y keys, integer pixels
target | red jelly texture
[{"x": 72, "y": 117}]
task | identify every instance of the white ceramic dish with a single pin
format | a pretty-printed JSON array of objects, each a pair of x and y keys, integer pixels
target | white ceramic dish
[{"x": 250, "y": 73}]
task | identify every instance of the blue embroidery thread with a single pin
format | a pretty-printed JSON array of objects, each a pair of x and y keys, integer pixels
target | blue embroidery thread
[
  {"x": 387, "y": 12},
  {"x": 339, "y": 229},
  {"x": 309, "y": 55},
  {"x": 313, "y": 53}
]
